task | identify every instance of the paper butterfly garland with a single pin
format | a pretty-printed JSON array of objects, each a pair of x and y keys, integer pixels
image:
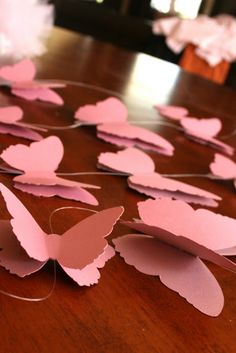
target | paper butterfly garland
[
  {"x": 224, "y": 168},
  {"x": 175, "y": 237},
  {"x": 39, "y": 177},
  {"x": 10, "y": 124},
  {"x": 205, "y": 131},
  {"x": 108, "y": 110},
  {"x": 80, "y": 251},
  {"x": 127, "y": 135},
  {"x": 172, "y": 112},
  {"x": 145, "y": 180},
  {"x": 20, "y": 78}
]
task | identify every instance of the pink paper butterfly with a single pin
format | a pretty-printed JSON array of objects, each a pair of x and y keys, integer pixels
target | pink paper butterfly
[
  {"x": 127, "y": 135},
  {"x": 175, "y": 237},
  {"x": 224, "y": 168},
  {"x": 39, "y": 177},
  {"x": 172, "y": 111},
  {"x": 108, "y": 110},
  {"x": 10, "y": 124},
  {"x": 80, "y": 251},
  {"x": 145, "y": 180},
  {"x": 20, "y": 77},
  {"x": 205, "y": 131}
]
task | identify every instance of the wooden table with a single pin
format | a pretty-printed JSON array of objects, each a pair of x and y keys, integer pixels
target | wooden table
[{"x": 127, "y": 312}]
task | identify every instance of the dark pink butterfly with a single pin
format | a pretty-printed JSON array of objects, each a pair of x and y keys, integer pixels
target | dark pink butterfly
[{"x": 80, "y": 251}]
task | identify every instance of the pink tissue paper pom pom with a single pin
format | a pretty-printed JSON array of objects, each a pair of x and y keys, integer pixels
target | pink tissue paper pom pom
[{"x": 23, "y": 27}]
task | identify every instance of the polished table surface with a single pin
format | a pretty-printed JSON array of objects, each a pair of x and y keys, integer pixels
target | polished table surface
[{"x": 126, "y": 312}]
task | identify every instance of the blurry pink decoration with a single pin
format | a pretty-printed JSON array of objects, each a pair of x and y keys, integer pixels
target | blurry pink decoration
[
  {"x": 172, "y": 112},
  {"x": 20, "y": 78},
  {"x": 130, "y": 161},
  {"x": 10, "y": 124},
  {"x": 24, "y": 26},
  {"x": 39, "y": 177},
  {"x": 127, "y": 135},
  {"x": 145, "y": 180},
  {"x": 224, "y": 168},
  {"x": 204, "y": 131},
  {"x": 175, "y": 238},
  {"x": 214, "y": 38},
  {"x": 80, "y": 251},
  {"x": 107, "y": 111}
]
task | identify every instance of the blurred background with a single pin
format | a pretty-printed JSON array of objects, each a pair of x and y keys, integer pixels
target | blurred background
[{"x": 128, "y": 23}]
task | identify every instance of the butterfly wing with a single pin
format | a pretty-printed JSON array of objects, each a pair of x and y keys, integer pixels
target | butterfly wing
[
  {"x": 84, "y": 242},
  {"x": 21, "y": 71},
  {"x": 223, "y": 167},
  {"x": 25, "y": 228},
  {"x": 12, "y": 256},
  {"x": 201, "y": 128},
  {"x": 130, "y": 160},
  {"x": 32, "y": 158},
  {"x": 179, "y": 271},
  {"x": 41, "y": 93},
  {"x": 90, "y": 274}
]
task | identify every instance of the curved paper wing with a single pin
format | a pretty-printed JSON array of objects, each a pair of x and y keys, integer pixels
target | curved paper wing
[
  {"x": 12, "y": 256},
  {"x": 84, "y": 242},
  {"x": 32, "y": 158},
  {"x": 201, "y": 127},
  {"x": 204, "y": 227},
  {"x": 179, "y": 271},
  {"x": 130, "y": 160},
  {"x": 109, "y": 110},
  {"x": 223, "y": 167},
  {"x": 43, "y": 94},
  {"x": 11, "y": 114},
  {"x": 31, "y": 237},
  {"x": 172, "y": 111},
  {"x": 20, "y": 72},
  {"x": 90, "y": 274}
]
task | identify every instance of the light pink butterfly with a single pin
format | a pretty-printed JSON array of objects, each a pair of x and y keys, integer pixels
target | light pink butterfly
[
  {"x": 145, "y": 180},
  {"x": 204, "y": 131},
  {"x": 172, "y": 111},
  {"x": 224, "y": 168},
  {"x": 20, "y": 78},
  {"x": 175, "y": 238},
  {"x": 108, "y": 110},
  {"x": 39, "y": 177},
  {"x": 10, "y": 123},
  {"x": 127, "y": 135},
  {"x": 80, "y": 251}
]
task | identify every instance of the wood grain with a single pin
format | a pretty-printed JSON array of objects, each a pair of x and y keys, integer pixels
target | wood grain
[{"x": 127, "y": 312}]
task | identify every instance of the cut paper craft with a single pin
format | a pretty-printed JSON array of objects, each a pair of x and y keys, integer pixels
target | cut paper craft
[
  {"x": 80, "y": 251},
  {"x": 128, "y": 161},
  {"x": 204, "y": 131},
  {"x": 145, "y": 180},
  {"x": 175, "y": 238},
  {"x": 20, "y": 78},
  {"x": 107, "y": 111},
  {"x": 10, "y": 123},
  {"x": 224, "y": 168},
  {"x": 39, "y": 177},
  {"x": 127, "y": 135},
  {"x": 172, "y": 111}
]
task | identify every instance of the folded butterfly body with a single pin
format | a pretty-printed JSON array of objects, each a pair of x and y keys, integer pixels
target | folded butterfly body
[
  {"x": 175, "y": 237},
  {"x": 154, "y": 185},
  {"x": 80, "y": 251},
  {"x": 127, "y": 135}
]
